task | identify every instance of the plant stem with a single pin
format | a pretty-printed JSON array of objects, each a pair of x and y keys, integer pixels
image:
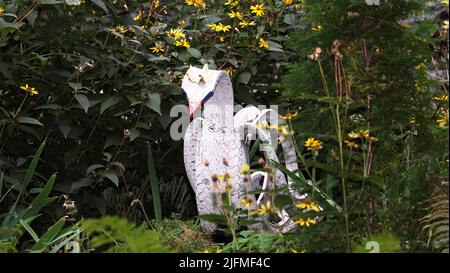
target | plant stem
[{"x": 344, "y": 190}]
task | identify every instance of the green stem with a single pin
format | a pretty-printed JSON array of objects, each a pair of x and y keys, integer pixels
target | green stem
[{"x": 343, "y": 183}]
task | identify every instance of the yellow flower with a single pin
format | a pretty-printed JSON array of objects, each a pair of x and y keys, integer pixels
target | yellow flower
[
  {"x": 176, "y": 33},
  {"x": 245, "y": 169},
  {"x": 441, "y": 98},
  {"x": 230, "y": 70},
  {"x": 443, "y": 119},
  {"x": 182, "y": 43},
  {"x": 445, "y": 24},
  {"x": 2, "y": 9},
  {"x": 318, "y": 27},
  {"x": 247, "y": 202},
  {"x": 288, "y": 2},
  {"x": 139, "y": 15},
  {"x": 258, "y": 9},
  {"x": 228, "y": 187},
  {"x": 263, "y": 43},
  {"x": 265, "y": 209},
  {"x": 290, "y": 116},
  {"x": 158, "y": 48},
  {"x": 306, "y": 222},
  {"x": 181, "y": 22},
  {"x": 244, "y": 24},
  {"x": 196, "y": 3},
  {"x": 296, "y": 251},
  {"x": 308, "y": 205},
  {"x": 351, "y": 144},
  {"x": 29, "y": 89},
  {"x": 225, "y": 177},
  {"x": 155, "y": 4},
  {"x": 219, "y": 27},
  {"x": 119, "y": 29},
  {"x": 362, "y": 134},
  {"x": 313, "y": 144},
  {"x": 232, "y": 3},
  {"x": 445, "y": 2},
  {"x": 236, "y": 14}
]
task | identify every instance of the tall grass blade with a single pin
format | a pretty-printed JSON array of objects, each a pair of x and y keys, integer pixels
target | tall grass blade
[{"x": 154, "y": 185}]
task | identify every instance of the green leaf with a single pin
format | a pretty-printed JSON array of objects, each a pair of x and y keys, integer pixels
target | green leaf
[
  {"x": 134, "y": 133},
  {"x": 154, "y": 102},
  {"x": 30, "y": 230},
  {"x": 28, "y": 120},
  {"x": 214, "y": 218},
  {"x": 83, "y": 101},
  {"x": 93, "y": 167},
  {"x": 244, "y": 77},
  {"x": 273, "y": 46},
  {"x": 64, "y": 126},
  {"x": 154, "y": 184},
  {"x": 300, "y": 179},
  {"x": 48, "y": 236},
  {"x": 282, "y": 201},
  {"x": 108, "y": 103},
  {"x": 290, "y": 19},
  {"x": 254, "y": 149},
  {"x": 101, "y": 4},
  {"x": 51, "y": 2},
  {"x": 113, "y": 177},
  {"x": 194, "y": 52}
]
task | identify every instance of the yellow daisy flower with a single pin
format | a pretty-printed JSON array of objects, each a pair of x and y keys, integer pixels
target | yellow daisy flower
[
  {"x": 306, "y": 223},
  {"x": 258, "y": 9},
  {"x": 176, "y": 33},
  {"x": 263, "y": 43},
  {"x": 158, "y": 48},
  {"x": 245, "y": 169},
  {"x": 247, "y": 202},
  {"x": 235, "y": 14},
  {"x": 29, "y": 89},
  {"x": 183, "y": 43},
  {"x": 308, "y": 205},
  {"x": 244, "y": 24},
  {"x": 351, "y": 144},
  {"x": 313, "y": 144},
  {"x": 196, "y": 3},
  {"x": 443, "y": 119}
]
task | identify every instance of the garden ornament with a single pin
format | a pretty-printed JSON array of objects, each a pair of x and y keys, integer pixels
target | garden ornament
[{"x": 217, "y": 144}]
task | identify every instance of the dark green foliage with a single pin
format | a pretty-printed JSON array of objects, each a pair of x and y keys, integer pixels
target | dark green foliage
[
  {"x": 386, "y": 59},
  {"x": 184, "y": 236}
]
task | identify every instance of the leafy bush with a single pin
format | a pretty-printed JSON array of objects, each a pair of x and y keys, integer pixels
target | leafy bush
[
  {"x": 184, "y": 236},
  {"x": 114, "y": 234}
]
